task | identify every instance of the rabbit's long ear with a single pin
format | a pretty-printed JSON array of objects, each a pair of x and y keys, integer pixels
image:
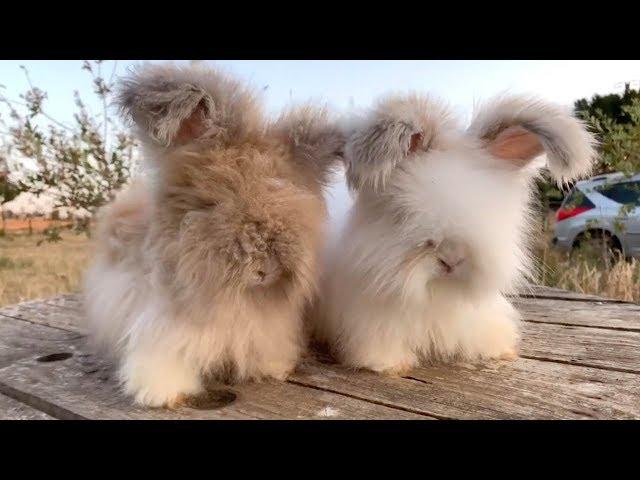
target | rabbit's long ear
[
  {"x": 397, "y": 128},
  {"x": 317, "y": 141},
  {"x": 518, "y": 129},
  {"x": 173, "y": 105}
]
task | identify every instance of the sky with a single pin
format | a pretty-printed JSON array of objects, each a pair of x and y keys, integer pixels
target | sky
[{"x": 345, "y": 84}]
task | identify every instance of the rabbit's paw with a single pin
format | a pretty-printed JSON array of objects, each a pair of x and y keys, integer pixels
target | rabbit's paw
[
  {"x": 278, "y": 370},
  {"x": 399, "y": 370},
  {"x": 158, "y": 384},
  {"x": 510, "y": 354}
]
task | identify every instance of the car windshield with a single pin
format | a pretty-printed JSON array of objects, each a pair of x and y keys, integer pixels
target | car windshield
[{"x": 624, "y": 193}]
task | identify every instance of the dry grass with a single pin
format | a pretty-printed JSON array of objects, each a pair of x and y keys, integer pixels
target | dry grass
[
  {"x": 587, "y": 275},
  {"x": 585, "y": 271},
  {"x": 29, "y": 271},
  {"x": 621, "y": 281}
]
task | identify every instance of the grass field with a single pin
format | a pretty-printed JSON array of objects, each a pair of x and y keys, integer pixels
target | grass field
[{"x": 29, "y": 271}]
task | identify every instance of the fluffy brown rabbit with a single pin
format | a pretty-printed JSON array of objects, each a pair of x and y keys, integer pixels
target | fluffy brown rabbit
[{"x": 205, "y": 266}]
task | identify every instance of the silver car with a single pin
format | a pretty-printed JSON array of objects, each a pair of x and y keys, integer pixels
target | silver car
[{"x": 593, "y": 209}]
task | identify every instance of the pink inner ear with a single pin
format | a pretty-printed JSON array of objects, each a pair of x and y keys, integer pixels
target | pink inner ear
[
  {"x": 516, "y": 144},
  {"x": 415, "y": 142},
  {"x": 192, "y": 127}
]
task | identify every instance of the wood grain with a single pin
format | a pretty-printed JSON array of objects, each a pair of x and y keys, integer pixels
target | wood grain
[
  {"x": 593, "y": 347},
  {"x": 551, "y": 340},
  {"x": 80, "y": 387},
  {"x": 580, "y": 359},
  {"x": 19, "y": 340},
  {"x": 63, "y": 314},
  {"x": 592, "y": 314},
  {"x": 542, "y": 292},
  {"x": 11, "y": 409},
  {"x": 493, "y": 390}
]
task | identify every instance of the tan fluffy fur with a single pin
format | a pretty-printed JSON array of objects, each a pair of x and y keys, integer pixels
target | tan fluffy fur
[{"x": 205, "y": 267}]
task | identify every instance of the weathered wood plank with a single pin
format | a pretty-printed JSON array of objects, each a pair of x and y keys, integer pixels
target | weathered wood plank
[
  {"x": 553, "y": 292},
  {"x": 522, "y": 389},
  {"x": 599, "y": 348},
  {"x": 546, "y": 341},
  {"x": 66, "y": 300},
  {"x": 11, "y": 409},
  {"x": 19, "y": 340},
  {"x": 592, "y": 347},
  {"x": 72, "y": 387},
  {"x": 64, "y": 314},
  {"x": 593, "y": 314},
  {"x": 494, "y": 390},
  {"x": 589, "y": 387},
  {"x": 543, "y": 292},
  {"x": 533, "y": 389}
]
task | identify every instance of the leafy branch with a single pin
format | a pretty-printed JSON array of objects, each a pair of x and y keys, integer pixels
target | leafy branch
[{"x": 81, "y": 165}]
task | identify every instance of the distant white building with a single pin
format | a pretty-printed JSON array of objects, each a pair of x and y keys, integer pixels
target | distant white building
[{"x": 29, "y": 205}]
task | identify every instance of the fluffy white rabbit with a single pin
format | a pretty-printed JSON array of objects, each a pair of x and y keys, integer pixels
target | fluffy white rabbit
[{"x": 439, "y": 229}]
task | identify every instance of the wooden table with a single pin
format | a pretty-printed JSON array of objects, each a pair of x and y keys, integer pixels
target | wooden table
[{"x": 580, "y": 358}]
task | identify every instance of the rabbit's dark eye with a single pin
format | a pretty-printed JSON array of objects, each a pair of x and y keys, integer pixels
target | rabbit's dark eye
[
  {"x": 429, "y": 244},
  {"x": 426, "y": 245}
]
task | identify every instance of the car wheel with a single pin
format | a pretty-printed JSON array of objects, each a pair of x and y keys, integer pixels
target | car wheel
[{"x": 597, "y": 245}]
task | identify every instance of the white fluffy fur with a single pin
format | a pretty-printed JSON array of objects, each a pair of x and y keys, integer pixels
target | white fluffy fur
[
  {"x": 165, "y": 355},
  {"x": 386, "y": 302}
]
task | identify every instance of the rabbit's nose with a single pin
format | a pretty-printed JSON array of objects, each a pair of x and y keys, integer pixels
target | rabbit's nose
[
  {"x": 449, "y": 265},
  {"x": 450, "y": 255},
  {"x": 268, "y": 273}
]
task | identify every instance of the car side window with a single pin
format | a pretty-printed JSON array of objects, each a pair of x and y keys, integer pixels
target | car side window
[
  {"x": 577, "y": 199},
  {"x": 623, "y": 193}
]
